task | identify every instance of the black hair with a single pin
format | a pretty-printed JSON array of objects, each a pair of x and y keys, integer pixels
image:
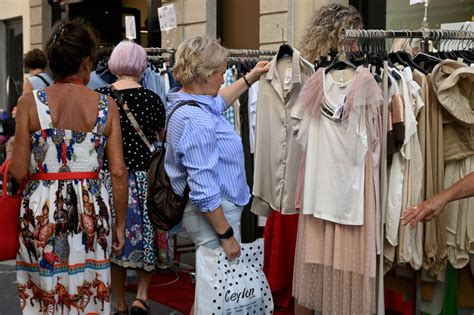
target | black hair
[{"x": 69, "y": 44}]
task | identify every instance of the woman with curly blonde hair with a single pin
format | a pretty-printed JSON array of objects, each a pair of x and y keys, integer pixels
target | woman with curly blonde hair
[{"x": 322, "y": 32}]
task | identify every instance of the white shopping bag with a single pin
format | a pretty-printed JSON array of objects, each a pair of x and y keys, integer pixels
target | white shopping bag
[{"x": 232, "y": 287}]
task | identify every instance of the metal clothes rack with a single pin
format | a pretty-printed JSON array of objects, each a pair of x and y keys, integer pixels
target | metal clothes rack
[
  {"x": 233, "y": 52},
  {"x": 424, "y": 34},
  {"x": 251, "y": 52},
  {"x": 432, "y": 34},
  {"x": 157, "y": 50}
]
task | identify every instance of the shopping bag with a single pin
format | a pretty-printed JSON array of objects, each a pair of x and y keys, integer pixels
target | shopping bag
[
  {"x": 232, "y": 287},
  {"x": 9, "y": 218}
]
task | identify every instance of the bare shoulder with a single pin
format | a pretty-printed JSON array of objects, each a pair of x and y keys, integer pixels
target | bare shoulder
[{"x": 26, "y": 102}]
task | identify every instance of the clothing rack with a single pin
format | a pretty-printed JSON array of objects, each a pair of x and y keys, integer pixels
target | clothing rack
[
  {"x": 433, "y": 34},
  {"x": 251, "y": 52},
  {"x": 424, "y": 34},
  {"x": 157, "y": 50}
]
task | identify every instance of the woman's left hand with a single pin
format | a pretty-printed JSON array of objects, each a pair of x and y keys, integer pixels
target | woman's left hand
[{"x": 260, "y": 68}]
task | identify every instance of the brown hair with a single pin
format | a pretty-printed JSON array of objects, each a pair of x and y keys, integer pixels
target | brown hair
[
  {"x": 69, "y": 44},
  {"x": 35, "y": 59},
  {"x": 322, "y": 32}
]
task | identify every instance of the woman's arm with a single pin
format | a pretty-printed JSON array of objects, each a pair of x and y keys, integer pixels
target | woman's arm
[
  {"x": 433, "y": 206},
  {"x": 233, "y": 91},
  {"x": 27, "y": 87},
  {"x": 118, "y": 174},
  {"x": 220, "y": 225},
  {"x": 20, "y": 158},
  {"x": 200, "y": 158}
]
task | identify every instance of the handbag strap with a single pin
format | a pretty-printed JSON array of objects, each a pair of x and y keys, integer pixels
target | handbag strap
[
  {"x": 118, "y": 96},
  {"x": 4, "y": 171},
  {"x": 178, "y": 105}
]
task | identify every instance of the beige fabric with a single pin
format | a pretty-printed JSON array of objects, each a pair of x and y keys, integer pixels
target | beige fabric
[
  {"x": 453, "y": 83},
  {"x": 460, "y": 216},
  {"x": 410, "y": 249},
  {"x": 435, "y": 255},
  {"x": 277, "y": 154}
]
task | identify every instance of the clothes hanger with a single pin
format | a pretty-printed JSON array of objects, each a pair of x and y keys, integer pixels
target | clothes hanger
[
  {"x": 340, "y": 61},
  {"x": 285, "y": 49}
]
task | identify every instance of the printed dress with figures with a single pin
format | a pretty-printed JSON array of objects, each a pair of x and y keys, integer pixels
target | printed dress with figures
[{"x": 65, "y": 239}]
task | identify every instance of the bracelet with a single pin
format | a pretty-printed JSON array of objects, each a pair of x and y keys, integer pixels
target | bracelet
[
  {"x": 227, "y": 234},
  {"x": 247, "y": 82}
]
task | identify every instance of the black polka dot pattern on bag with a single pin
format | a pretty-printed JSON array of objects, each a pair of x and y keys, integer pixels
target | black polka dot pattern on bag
[{"x": 239, "y": 286}]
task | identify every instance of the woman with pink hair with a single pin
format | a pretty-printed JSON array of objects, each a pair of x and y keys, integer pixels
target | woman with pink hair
[{"x": 128, "y": 62}]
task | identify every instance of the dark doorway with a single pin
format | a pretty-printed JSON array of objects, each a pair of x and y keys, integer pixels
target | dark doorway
[
  {"x": 238, "y": 24},
  {"x": 14, "y": 61},
  {"x": 374, "y": 12}
]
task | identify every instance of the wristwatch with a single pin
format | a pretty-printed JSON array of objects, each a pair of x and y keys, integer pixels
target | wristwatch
[{"x": 227, "y": 234}]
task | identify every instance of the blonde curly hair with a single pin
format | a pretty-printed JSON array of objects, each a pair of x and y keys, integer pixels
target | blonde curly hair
[
  {"x": 322, "y": 33},
  {"x": 198, "y": 58}
]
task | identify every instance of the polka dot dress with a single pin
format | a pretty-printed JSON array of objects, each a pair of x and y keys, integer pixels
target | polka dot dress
[{"x": 148, "y": 109}]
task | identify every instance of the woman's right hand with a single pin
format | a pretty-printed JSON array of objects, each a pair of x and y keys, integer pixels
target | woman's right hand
[{"x": 231, "y": 248}]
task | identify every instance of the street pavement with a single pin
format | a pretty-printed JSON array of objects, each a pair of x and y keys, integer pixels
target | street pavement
[{"x": 10, "y": 304}]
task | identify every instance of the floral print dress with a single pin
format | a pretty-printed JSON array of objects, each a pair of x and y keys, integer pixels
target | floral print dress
[{"x": 65, "y": 225}]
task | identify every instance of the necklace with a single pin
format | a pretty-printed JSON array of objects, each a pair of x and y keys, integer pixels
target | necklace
[{"x": 72, "y": 79}]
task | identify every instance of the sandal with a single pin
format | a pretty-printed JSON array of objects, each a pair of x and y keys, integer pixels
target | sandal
[
  {"x": 124, "y": 312},
  {"x": 136, "y": 310}
]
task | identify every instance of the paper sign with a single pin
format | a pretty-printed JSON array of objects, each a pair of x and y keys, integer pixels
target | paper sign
[
  {"x": 412, "y": 2},
  {"x": 167, "y": 17},
  {"x": 130, "y": 29}
]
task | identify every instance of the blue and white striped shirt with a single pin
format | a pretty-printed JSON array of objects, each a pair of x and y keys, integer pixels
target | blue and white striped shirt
[{"x": 204, "y": 148}]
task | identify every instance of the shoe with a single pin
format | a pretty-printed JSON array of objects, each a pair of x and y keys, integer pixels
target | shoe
[
  {"x": 136, "y": 310},
  {"x": 124, "y": 312}
]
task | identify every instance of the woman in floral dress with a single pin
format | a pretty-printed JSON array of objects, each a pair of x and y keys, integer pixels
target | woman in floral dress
[{"x": 67, "y": 234}]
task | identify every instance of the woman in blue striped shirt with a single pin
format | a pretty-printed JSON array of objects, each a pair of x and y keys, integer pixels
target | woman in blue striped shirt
[{"x": 203, "y": 149}]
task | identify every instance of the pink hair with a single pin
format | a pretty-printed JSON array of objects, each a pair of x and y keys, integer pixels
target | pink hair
[{"x": 128, "y": 58}]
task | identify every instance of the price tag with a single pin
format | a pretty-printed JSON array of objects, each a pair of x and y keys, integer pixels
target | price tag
[
  {"x": 337, "y": 114},
  {"x": 287, "y": 81},
  {"x": 412, "y": 2},
  {"x": 167, "y": 17},
  {"x": 130, "y": 29}
]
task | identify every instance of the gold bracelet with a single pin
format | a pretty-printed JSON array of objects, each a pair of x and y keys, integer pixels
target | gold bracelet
[{"x": 247, "y": 82}]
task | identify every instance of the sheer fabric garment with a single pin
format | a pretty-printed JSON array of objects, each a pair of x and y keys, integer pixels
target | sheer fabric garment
[{"x": 335, "y": 264}]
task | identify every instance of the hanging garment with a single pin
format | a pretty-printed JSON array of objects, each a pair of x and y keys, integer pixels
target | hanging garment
[
  {"x": 335, "y": 264},
  {"x": 410, "y": 249},
  {"x": 280, "y": 242},
  {"x": 152, "y": 80},
  {"x": 337, "y": 146},
  {"x": 435, "y": 252},
  {"x": 66, "y": 232},
  {"x": 454, "y": 84},
  {"x": 252, "y": 108},
  {"x": 229, "y": 113},
  {"x": 277, "y": 154}
]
